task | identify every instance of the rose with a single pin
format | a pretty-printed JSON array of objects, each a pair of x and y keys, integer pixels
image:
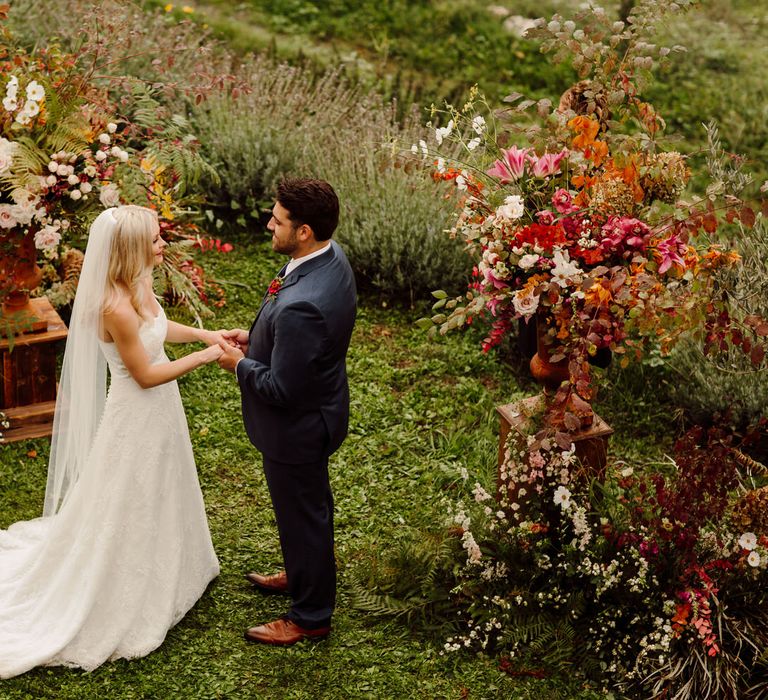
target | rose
[
  {"x": 109, "y": 195},
  {"x": 47, "y": 238},
  {"x": 7, "y": 219},
  {"x": 525, "y": 302}
]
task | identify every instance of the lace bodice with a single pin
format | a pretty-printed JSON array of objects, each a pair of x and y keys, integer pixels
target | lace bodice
[{"x": 152, "y": 334}]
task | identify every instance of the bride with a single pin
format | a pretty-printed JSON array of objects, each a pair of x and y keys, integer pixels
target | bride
[{"x": 123, "y": 550}]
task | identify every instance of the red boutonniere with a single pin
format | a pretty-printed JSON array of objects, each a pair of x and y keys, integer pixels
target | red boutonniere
[{"x": 274, "y": 288}]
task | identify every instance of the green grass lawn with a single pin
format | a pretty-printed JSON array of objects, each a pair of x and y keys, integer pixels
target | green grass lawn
[{"x": 421, "y": 409}]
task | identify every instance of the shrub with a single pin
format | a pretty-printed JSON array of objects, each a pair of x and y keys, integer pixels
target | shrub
[{"x": 292, "y": 123}]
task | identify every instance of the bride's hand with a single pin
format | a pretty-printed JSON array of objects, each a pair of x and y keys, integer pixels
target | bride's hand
[{"x": 210, "y": 354}]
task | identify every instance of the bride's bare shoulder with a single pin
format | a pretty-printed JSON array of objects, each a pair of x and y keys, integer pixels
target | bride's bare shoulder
[{"x": 120, "y": 315}]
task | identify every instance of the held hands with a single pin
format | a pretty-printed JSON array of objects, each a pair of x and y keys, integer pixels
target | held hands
[
  {"x": 216, "y": 337},
  {"x": 234, "y": 345}
]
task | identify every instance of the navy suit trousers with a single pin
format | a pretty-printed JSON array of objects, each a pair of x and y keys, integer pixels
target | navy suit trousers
[{"x": 303, "y": 504}]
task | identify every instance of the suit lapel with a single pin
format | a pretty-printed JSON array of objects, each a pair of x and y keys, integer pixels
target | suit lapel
[{"x": 296, "y": 275}]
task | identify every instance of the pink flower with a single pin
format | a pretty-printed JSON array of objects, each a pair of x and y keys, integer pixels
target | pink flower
[
  {"x": 511, "y": 165},
  {"x": 563, "y": 201},
  {"x": 547, "y": 164},
  {"x": 7, "y": 219},
  {"x": 491, "y": 305},
  {"x": 671, "y": 251},
  {"x": 545, "y": 217},
  {"x": 622, "y": 234}
]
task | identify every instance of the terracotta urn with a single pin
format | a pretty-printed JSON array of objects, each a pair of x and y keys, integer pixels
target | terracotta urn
[{"x": 19, "y": 272}]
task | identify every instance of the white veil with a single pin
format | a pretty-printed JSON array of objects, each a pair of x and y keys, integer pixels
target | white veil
[{"x": 83, "y": 385}]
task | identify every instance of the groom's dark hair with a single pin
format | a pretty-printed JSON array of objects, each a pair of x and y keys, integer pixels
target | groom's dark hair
[{"x": 311, "y": 202}]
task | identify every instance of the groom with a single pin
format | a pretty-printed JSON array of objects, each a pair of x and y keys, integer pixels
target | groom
[{"x": 295, "y": 398}]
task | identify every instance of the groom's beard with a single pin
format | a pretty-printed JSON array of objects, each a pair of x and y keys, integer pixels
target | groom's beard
[{"x": 287, "y": 246}]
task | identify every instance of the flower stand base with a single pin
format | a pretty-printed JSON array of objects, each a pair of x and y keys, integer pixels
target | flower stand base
[
  {"x": 591, "y": 442},
  {"x": 28, "y": 377}
]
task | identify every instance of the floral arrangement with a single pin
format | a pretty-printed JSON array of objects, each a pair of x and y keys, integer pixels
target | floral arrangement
[
  {"x": 583, "y": 227},
  {"x": 654, "y": 582},
  {"x": 68, "y": 148}
]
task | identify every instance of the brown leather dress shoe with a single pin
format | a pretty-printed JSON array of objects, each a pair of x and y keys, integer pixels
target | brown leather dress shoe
[
  {"x": 283, "y": 632},
  {"x": 273, "y": 583}
]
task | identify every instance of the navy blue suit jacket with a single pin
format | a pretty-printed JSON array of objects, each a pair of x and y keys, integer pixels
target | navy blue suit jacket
[{"x": 293, "y": 380}]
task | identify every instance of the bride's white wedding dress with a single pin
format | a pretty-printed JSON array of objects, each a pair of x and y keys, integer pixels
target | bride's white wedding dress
[{"x": 129, "y": 551}]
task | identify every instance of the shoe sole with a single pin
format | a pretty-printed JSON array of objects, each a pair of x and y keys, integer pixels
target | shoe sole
[{"x": 304, "y": 638}]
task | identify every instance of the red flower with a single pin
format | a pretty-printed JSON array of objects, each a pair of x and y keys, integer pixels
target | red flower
[{"x": 274, "y": 288}]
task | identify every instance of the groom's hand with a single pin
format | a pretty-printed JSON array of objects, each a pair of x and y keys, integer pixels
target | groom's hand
[
  {"x": 237, "y": 336},
  {"x": 215, "y": 337},
  {"x": 230, "y": 356}
]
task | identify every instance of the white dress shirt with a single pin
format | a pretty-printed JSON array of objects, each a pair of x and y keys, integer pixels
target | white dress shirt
[{"x": 293, "y": 263}]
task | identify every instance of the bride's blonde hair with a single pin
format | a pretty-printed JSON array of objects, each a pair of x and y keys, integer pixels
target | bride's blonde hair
[{"x": 131, "y": 259}]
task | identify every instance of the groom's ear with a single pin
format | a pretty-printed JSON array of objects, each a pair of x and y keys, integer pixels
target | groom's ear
[{"x": 305, "y": 232}]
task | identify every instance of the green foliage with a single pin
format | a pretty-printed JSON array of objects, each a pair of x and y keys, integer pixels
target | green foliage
[
  {"x": 728, "y": 382},
  {"x": 393, "y": 218},
  {"x": 423, "y": 595}
]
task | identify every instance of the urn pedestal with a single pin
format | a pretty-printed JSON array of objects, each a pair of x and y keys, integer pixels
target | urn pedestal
[
  {"x": 591, "y": 442},
  {"x": 28, "y": 376}
]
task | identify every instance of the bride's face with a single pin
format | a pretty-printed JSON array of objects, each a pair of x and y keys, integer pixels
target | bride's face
[{"x": 158, "y": 246}]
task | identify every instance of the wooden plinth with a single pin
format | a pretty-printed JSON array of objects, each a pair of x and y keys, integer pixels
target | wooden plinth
[
  {"x": 28, "y": 376},
  {"x": 591, "y": 443}
]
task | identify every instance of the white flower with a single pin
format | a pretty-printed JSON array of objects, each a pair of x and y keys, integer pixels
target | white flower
[
  {"x": 47, "y": 238},
  {"x": 85, "y": 187},
  {"x": 440, "y": 165},
  {"x": 51, "y": 180},
  {"x": 104, "y": 138},
  {"x": 525, "y": 303},
  {"x": 478, "y": 124},
  {"x": 748, "y": 541},
  {"x": 26, "y": 206},
  {"x": 10, "y": 104},
  {"x": 7, "y": 150},
  {"x": 53, "y": 166},
  {"x": 35, "y": 91},
  {"x": 109, "y": 195},
  {"x": 527, "y": 261},
  {"x": 62, "y": 169},
  {"x": 414, "y": 149},
  {"x": 753, "y": 559},
  {"x": 562, "y": 497},
  {"x": 512, "y": 209},
  {"x": 7, "y": 219},
  {"x": 100, "y": 155},
  {"x": 75, "y": 194},
  {"x": 123, "y": 156},
  {"x": 73, "y": 179},
  {"x": 89, "y": 170},
  {"x": 564, "y": 270},
  {"x": 443, "y": 131},
  {"x": 30, "y": 109},
  {"x": 473, "y": 144},
  {"x": 111, "y": 127},
  {"x": 627, "y": 471},
  {"x": 461, "y": 183}
]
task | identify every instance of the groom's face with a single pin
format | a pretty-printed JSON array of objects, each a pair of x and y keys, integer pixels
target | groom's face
[{"x": 284, "y": 238}]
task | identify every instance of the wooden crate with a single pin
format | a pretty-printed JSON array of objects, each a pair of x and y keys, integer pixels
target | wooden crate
[{"x": 28, "y": 376}]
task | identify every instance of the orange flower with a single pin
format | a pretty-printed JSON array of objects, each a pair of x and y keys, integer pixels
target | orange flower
[
  {"x": 587, "y": 129},
  {"x": 598, "y": 295}
]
